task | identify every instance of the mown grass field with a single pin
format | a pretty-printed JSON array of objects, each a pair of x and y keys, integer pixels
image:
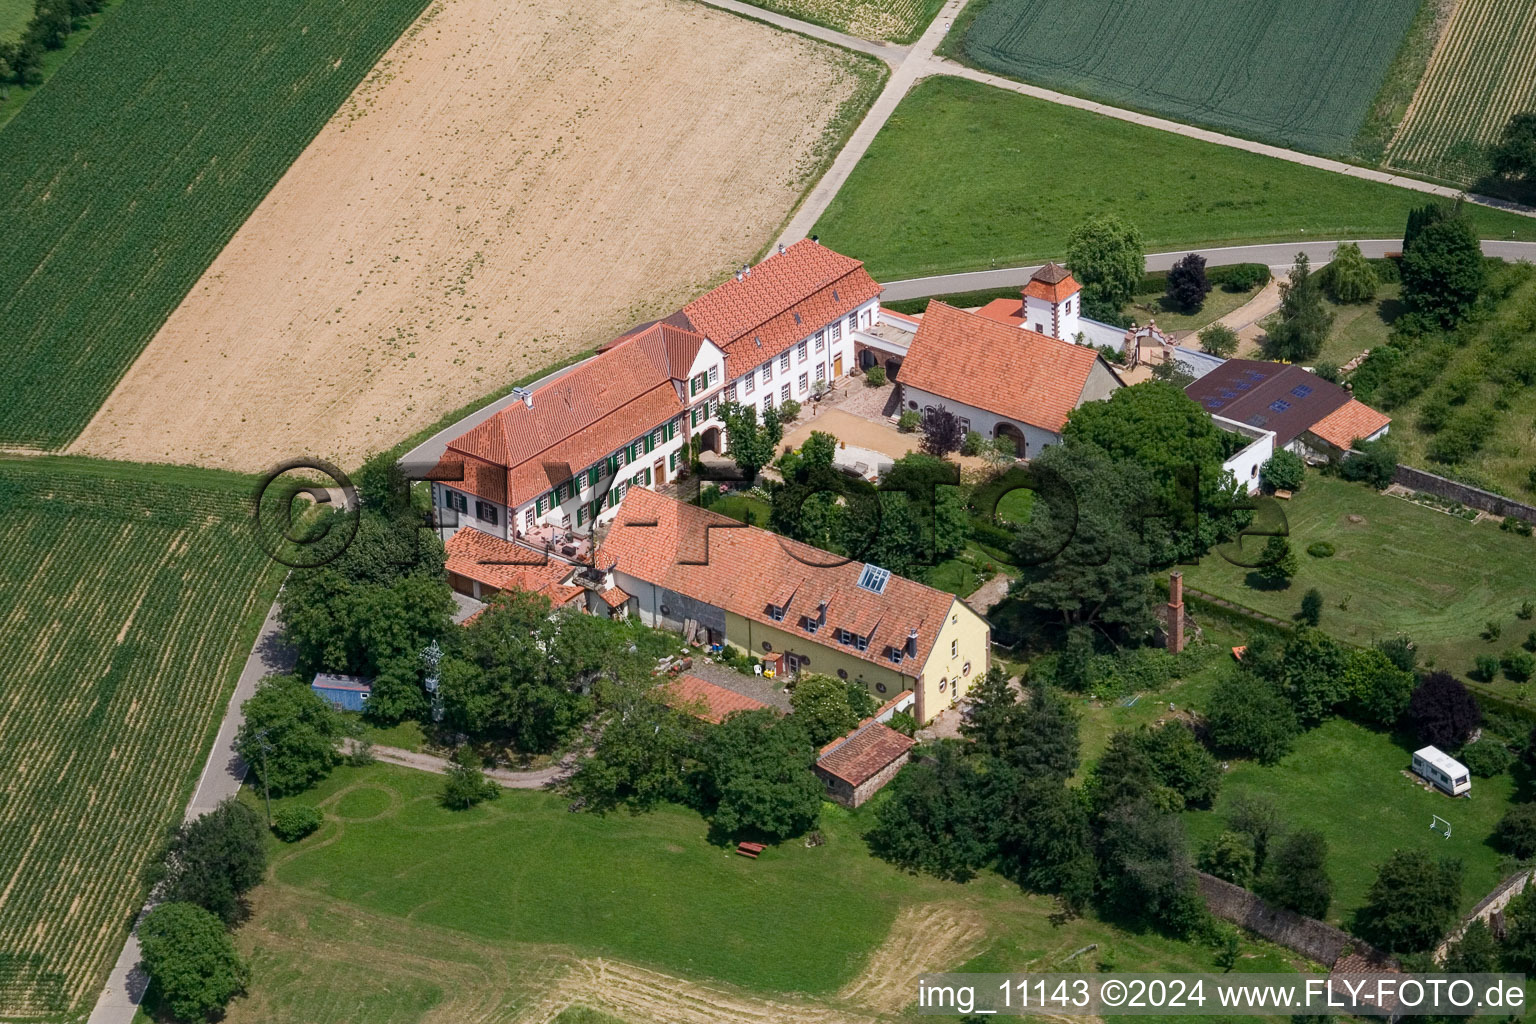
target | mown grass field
[
  {"x": 966, "y": 177},
  {"x": 899, "y": 21},
  {"x": 128, "y": 172},
  {"x": 483, "y": 912},
  {"x": 1482, "y": 72},
  {"x": 1362, "y": 325},
  {"x": 1300, "y": 74},
  {"x": 1346, "y": 782},
  {"x": 14, "y": 15},
  {"x": 131, "y": 599},
  {"x": 1402, "y": 568}
]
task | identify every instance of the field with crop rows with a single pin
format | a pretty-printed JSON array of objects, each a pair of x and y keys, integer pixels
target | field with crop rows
[
  {"x": 125, "y": 176},
  {"x": 898, "y": 20},
  {"x": 1299, "y": 73},
  {"x": 1483, "y": 72},
  {"x": 127, "y": 609}
]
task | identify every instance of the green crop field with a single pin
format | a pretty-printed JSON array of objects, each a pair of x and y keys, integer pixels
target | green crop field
[
  {"x": 14, "y": 15},
  {"x": 1398, "y": 567},
  {"x": 399, "y": 911},
  {"x": 132, "y": 596},
  {"x": 1347, "y": 782},
  {"x": 897, "y": 20},
  {"x": 965, "y": 177},
  {"x": 1300, "y": 74},
  {"x": 127, "y": 173},
  {"x": 1482, "y": 72}
]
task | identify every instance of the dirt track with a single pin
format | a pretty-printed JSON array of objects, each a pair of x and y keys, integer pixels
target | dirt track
[{"x": 515, "y": 181}]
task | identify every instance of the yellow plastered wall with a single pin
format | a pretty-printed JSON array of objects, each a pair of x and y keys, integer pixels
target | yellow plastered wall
[
  {"x": 750, "y": 635},
  {"x": 959, "y": 657}
]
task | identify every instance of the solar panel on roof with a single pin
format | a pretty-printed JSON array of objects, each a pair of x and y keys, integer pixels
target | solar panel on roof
[
  {"x": 1243, "y": 385},
  {"x": 1215, "y": 403},
  {"x": 1228, "y": 393},
  {"x": 1301, "y": 390},
  {"x": 1279, "y": 405}
]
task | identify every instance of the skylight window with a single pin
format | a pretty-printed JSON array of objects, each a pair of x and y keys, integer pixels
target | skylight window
[
  {"x": 1279, "y": 405},
  {"x": 874, "y": 579},
  {"x": 1301, "y": 390}
]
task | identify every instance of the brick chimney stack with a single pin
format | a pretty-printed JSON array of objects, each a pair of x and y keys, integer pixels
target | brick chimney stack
[{"x": 1175, "y": 612}]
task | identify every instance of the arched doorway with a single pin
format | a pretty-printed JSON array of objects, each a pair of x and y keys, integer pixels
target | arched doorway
[
  {"x": 1012, "y": 433},
  {"x": 710, "y": 440},
  {"x": 867, "y": 358}
]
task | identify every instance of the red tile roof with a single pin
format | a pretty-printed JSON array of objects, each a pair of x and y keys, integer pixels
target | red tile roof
[
  {"x": 1052, "y": 283},
  {"x": 1004, "y": 311},
  {"x": 864, "y": 753},
  {"x": 1010, "y": 371},
  {"x": 717, "y": 701},
  {"x": 576, "y": 419},
  {"x": 741, "y": 569},
  {"x": 502, "y": 565},
  {"x": 1351, "y": 421},
  {"x": 755, "y": 318}
]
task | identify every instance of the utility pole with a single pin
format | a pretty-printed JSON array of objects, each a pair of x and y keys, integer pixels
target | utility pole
[{"x": 266, "y": 784}]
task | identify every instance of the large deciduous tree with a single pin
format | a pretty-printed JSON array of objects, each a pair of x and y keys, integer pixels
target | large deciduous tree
[
  {"x": 752, "y": 444},
  {"x": 191, "y": 961},
  {"x": 1105, "y": 254},
  {"x": 641, "y": 755},
  {"x": 1296, "y": 875},
  {"x": 291, "y": 736},
  {"x": 1247, "y": 715},
  {"x": 1443, "y": 712},
  {"x": 758, "y": 778},
  {"x": 1443, "y": 270},
  {"x": 940, "y": 815},
  {"x": 213, "y": 861},
  {"x": 1349, "y": 277},
  {"x": 1514, "y": 156},
  {"x": 1412, "y": 902},
  {"x": 821, "y": 705},
  {"x": 1187, "y": 284}
]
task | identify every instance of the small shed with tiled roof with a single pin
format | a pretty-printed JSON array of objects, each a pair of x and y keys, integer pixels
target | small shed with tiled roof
[
  {"x": 1001, "y": 380},
  {"x": 709, "y": 701},
  {"x": 856, "y": 766}
]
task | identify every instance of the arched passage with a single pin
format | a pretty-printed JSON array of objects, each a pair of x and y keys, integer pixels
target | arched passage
[{"x": 1012, "y": 433}]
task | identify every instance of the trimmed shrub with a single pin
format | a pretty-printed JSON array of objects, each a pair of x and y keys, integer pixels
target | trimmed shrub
[
  {"x": 874, "y": 377},
  {"x": 1241, "y": 277},
  {"x": 1516, "y": 831},
  {"x": 789, "y": 410},
  {"x": 1486, "y": 758},
  {"x": 1218, "y": 340},
  {"x": 972, "y": 445},
  {"x": 1283, "y": 472},
  {"x": 1518, "y": 665},
  {"x": 1485, "y": 668},
  {"x": 294, "y": 823},
  {"x": 1321, "y": 549},
  {"x": 909, "y": 421}
]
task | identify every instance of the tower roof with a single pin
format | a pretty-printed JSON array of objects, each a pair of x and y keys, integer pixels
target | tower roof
[{"x": 1052, "y": 283}]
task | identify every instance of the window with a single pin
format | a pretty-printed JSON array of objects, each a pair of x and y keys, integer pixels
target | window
[
  {"x": 804, "y": 382},
  {"x": 943, "y": 685},
  {"x": 821, "y": 372},
  {"x": 528, "y": 518},
  {"x": 812, "y": 625},
  {"x": 821, "y": 340},
  {"x": 880, "y": 687},
  {"x": 714, "y": 374},
  {"x": 775, "y": 613},
  {"x": 801, "y": 352},
  {"x": 842, "y": 673},
  {"x": 768, "y": 371},
  {"x": 458, "y": 502},
  {"x": 1039, "y": 327},
  {"x": 594, "y": 475},
  {"x": 844, "y": 637},
  {"x": 1279, "y": 405},
  {"x": 853, "y": 321},
  {"x": 694, "y": 417},
  {"x": 658, "y": 437},
  {"x": 861, "y": 642},
  {"x": 965, "y": 424},
  {"x": 966, "y": 670},
  {"x": 730, "y": 392},
  {"x": 751, "y": 382},
  {"x": 698, "y": 384},
  {"x": 542, "y": 504},
  {"x": 895, "y": 654},
  {"x": 954, "y": 648},
  {"x": 672, "y": 461},
  {"x": 581, "y": 515},
  {"x": 486, "y": 512},
  {"x": 784, "y": 363},
  {"x": 784, "y": 393},
  {"x": 768, "y": 400},
  {"x": 837, "y": 330},
  {"x": 1301, "y": 390},
  {"x": 874, "y": 579}
]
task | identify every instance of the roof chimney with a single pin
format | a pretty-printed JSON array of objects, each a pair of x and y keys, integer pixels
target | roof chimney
[
  {"x": 781, "y": 248},
  {"x": 912, "y": 643},
  {"x": 746, "y": 270},
  {"x": 525, "y": 394}
]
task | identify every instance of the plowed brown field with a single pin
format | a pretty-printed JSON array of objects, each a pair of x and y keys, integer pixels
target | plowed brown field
[{"x": 514, "y": 182}]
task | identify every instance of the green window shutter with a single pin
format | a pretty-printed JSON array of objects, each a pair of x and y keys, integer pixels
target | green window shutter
[
  {"x": 672, "y": 461},
  {"x": 647, "y": 477},
  {"x": 671, "y": 429},
  {"x": 650, "y": 443},
  {"x": 539, "y": 506},
  {"x": 581, "y": 515}
]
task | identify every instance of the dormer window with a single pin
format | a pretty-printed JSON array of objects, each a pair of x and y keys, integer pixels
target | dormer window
[
  {"x": 812, "y": 625},
  {"x": 776, "y": 612},
  {"x": 895, "y": 654}
]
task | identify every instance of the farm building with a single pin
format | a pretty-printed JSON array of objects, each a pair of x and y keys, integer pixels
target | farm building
[
  {"x": 1308, "y": 415},
  {"x": 547, "y": 470},
  {"x": 706, "y": 700},
  {"x": 346, "y": 693},
  {"x": 1001, "y": 380},
  {"x": 720, "y": 581},
  {"x": 856, "y": 766},
  {"x": 1442, "y": 771}
]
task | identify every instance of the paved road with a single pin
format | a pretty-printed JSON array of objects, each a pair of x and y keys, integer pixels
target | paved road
[
  {"x": 221, "y": 778},
  {"x": 910, "y": 65},
  {"x": 1276, "y": 254}
]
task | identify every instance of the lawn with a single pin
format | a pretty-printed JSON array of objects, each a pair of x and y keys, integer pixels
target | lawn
[
  {"x": 133, "y": 596},
  {"x": 1301, "y": 74},
  {"x": 484, "y": 908},
  {"x": 1154, "y": 305},
  {"x": 1401, "y": 568},
  {"x": 1346, "y": 782},
  {"x": 743, "y": 509},
  {"x": 129, "y": 171},
  {"x": 965, "y": 177},
  {"x": 14, "y": 15},
  {"x": 1361, "y": 326}
]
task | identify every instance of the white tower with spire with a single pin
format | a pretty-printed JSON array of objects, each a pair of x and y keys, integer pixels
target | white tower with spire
[{"x": 1053, "y": 303}]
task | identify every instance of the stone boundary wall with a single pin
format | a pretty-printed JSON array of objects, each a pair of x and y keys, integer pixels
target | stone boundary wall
[
  {"x": 1496, "y": 900},
  {"x": 1472, "y": 497},
  {"x": 1311, "y": 938}
]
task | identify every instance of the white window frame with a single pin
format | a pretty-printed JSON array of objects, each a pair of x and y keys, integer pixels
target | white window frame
[
  {"x": 714, "y": 373},
  {"x": 751, "y": 382},
  {"x": 784, "y": 363},
  {"x": 784, "y": 393},
  {"x": 768, "y": 372},
  {"x": 802, "y": 352},
  {"x": 821, "y": 340},
  {"x": 804, "y": 383}
]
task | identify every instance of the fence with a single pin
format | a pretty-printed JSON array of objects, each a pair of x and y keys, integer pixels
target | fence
[
  {"x": 1505, "y": 891},
  {"x": 1472, "y": 497}
]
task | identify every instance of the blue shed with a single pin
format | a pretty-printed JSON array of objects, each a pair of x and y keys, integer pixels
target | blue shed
[{"x": 346, "y": 693}]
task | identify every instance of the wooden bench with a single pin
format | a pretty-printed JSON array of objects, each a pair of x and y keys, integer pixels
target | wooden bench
[{"x": 750, "y": 849}]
